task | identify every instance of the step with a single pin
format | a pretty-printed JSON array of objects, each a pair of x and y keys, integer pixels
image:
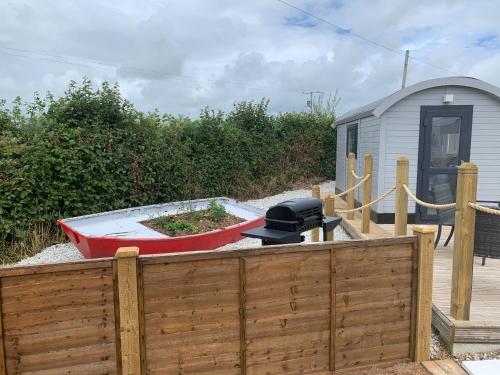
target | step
[{"x": 443, "y": 367}]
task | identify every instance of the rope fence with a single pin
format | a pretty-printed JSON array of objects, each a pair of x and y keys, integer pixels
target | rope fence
[
  {"x": 467, "y": 181},
  {"x": 352, "y": 188},
  {"x": 427, "y": 204},
  {"x": 356, "y": 176},
  {"x": 383, "y": 196},
  {"x": 484, "y": 209}
]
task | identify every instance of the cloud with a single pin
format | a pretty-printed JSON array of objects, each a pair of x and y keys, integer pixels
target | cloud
[{"x": 180, "y": 56}]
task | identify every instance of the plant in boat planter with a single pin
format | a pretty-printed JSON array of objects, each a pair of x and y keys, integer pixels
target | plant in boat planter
[
  {"x": 216, "y": 210},
  {"x": 180, "y": 225},
  {"x": 194, "y": 221}
]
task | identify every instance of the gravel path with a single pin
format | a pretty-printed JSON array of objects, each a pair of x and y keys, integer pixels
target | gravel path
[{"x": 67, "y": 252}]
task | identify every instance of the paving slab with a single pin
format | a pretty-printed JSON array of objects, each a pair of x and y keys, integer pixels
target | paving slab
[{"x": 484, "y": 367}]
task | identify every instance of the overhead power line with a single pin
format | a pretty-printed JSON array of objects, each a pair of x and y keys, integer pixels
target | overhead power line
[
  {"x": 85, "y": 62},
  {"x": 347, "y": 31}
]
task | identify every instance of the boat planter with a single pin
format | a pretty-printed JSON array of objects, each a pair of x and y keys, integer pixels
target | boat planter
[{"x": 100, "y": 235}]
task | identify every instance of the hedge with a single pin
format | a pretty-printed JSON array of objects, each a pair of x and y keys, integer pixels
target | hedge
[{"x": 91, "y": 151}]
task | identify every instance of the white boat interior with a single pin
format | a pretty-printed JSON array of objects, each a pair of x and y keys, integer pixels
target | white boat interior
[{"x": 125, "y": 223}]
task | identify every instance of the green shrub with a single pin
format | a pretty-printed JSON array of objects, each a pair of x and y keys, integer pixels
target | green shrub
[
  {"x": 179, "y": 225},
  {"x": 91, "y": 151},
  {"x": 216, "y": 211}
]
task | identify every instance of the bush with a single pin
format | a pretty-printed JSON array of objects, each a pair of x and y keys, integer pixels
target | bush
[{"x": 91, "y": 151}]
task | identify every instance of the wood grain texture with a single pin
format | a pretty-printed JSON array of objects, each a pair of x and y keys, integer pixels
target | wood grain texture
[
  {"x": 329, "y": 211},
  {"x": 243, "y": 338},
  {"x": 288, "y": 313},
  {"x": 373, "y": 305},
  {"x": 2, "y": 350},
  {"x": 315, "y": 193},
  {"x": 129, "y": 311},
  {"x": 443, "y": 367},
  {"x": 422, "y": 344},
  {"x": 355, "y": 245},
  {"x": 192, "y": 317},
  {"x": 483, "y": 325},
  {"x": 50, "y": 329},
  {"x": 401, "y": 203},
  {"x": 333, "y": 310},
  {"x": 351, "y": 167},
  {"x": 292, "y": 309},
  {"x": 463, "y": 248},
  {"x": 367, "y": 193}
]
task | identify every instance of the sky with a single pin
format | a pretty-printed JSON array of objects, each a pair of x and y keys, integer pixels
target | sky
[{"x": 179, "y": 56}]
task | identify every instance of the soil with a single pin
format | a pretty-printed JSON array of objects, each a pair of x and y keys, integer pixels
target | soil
[{"x": 204, "y": 224}]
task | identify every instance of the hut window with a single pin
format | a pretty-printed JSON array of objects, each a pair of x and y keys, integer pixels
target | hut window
[{"x": 352, "y": 139}]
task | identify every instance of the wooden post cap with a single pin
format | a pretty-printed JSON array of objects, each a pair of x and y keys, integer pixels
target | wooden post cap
[
  {"x": 469, "y": 167},
  {"x": 127, "y": 252},
  {"x": 403, "y": 159},
  {"x": 424, "y": 229}
]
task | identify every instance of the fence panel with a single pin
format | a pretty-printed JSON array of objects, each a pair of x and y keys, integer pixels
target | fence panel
[
  {"x": 59, "y": 319},
  {"x": 288, "y": 312},
  {"x": 191, "y": 312},
  {"x": 373, "y": 304},
  {"x": 289, "y": 309}
]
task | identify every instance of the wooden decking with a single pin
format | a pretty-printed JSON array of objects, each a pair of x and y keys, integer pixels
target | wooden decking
[
  {"x": 482, "y": 331},
  {"x": 483, "y": 328}
]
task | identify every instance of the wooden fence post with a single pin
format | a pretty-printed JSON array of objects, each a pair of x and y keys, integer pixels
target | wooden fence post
[
  {"x": 3, "y": 369},
  {"x": 316, "y": 193},
  {"x": 333, "y": 309},
  {"x": 351, "y": 163},
  {"x": 329, "y": 211},
  {"x": 422, "y": 337},
  {"x": 126, "y": 258},
  {"x": 463, "y": 249},
  {"x": 367, "y": 194},
  {"x": 401, "y": 204}
]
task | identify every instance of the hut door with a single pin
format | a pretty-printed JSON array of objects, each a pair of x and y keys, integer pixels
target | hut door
[{"x": 444, "y": 142}]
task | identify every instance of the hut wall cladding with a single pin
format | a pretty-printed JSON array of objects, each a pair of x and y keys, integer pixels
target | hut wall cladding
[{"x": 270, "y": 310}]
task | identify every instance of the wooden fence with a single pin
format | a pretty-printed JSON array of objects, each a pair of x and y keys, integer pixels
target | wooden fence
[{"x": 272, "y": 310}]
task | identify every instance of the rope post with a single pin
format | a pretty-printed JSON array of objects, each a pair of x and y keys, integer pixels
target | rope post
[
  {"x": 351, "y": 165},
  {"x": 401, "y": 209},
  {"x": 316, "y": 193},
  {"x": 329, "y": 211},
  {"x": 463, "y": 249},
  {"x": 367, "y": 194},
  {"x": 422, "y": 338}
]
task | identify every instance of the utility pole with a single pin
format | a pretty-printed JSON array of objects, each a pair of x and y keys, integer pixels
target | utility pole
[
  {"x": 405, "y": 69},
  {"x": 310, "y": 102}
]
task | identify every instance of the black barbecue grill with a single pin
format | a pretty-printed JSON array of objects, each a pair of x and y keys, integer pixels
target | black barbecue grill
[{"x": 286, "y": 221}]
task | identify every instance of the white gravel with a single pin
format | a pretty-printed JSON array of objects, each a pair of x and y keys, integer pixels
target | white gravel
[
  {"x": 62, "y": 252},
  {"x": 265, "y": 203},
  {"x": 67, "y": 252}
]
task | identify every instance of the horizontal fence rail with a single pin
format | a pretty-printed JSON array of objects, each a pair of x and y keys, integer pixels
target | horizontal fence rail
[{"x": 269, "y": 310}]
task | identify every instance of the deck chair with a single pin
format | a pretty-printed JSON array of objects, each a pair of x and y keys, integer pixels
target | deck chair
[{"x": 442, "y": 195}]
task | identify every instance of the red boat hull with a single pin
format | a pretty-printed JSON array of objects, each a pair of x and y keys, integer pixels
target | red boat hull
[{"x": 100, "y": 247}]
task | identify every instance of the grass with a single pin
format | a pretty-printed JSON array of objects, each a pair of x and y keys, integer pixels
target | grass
[{"x": 40, "y": 237}]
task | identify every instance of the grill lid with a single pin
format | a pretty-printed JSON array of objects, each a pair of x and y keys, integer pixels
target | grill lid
[{"x": 298, "y": 209}]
